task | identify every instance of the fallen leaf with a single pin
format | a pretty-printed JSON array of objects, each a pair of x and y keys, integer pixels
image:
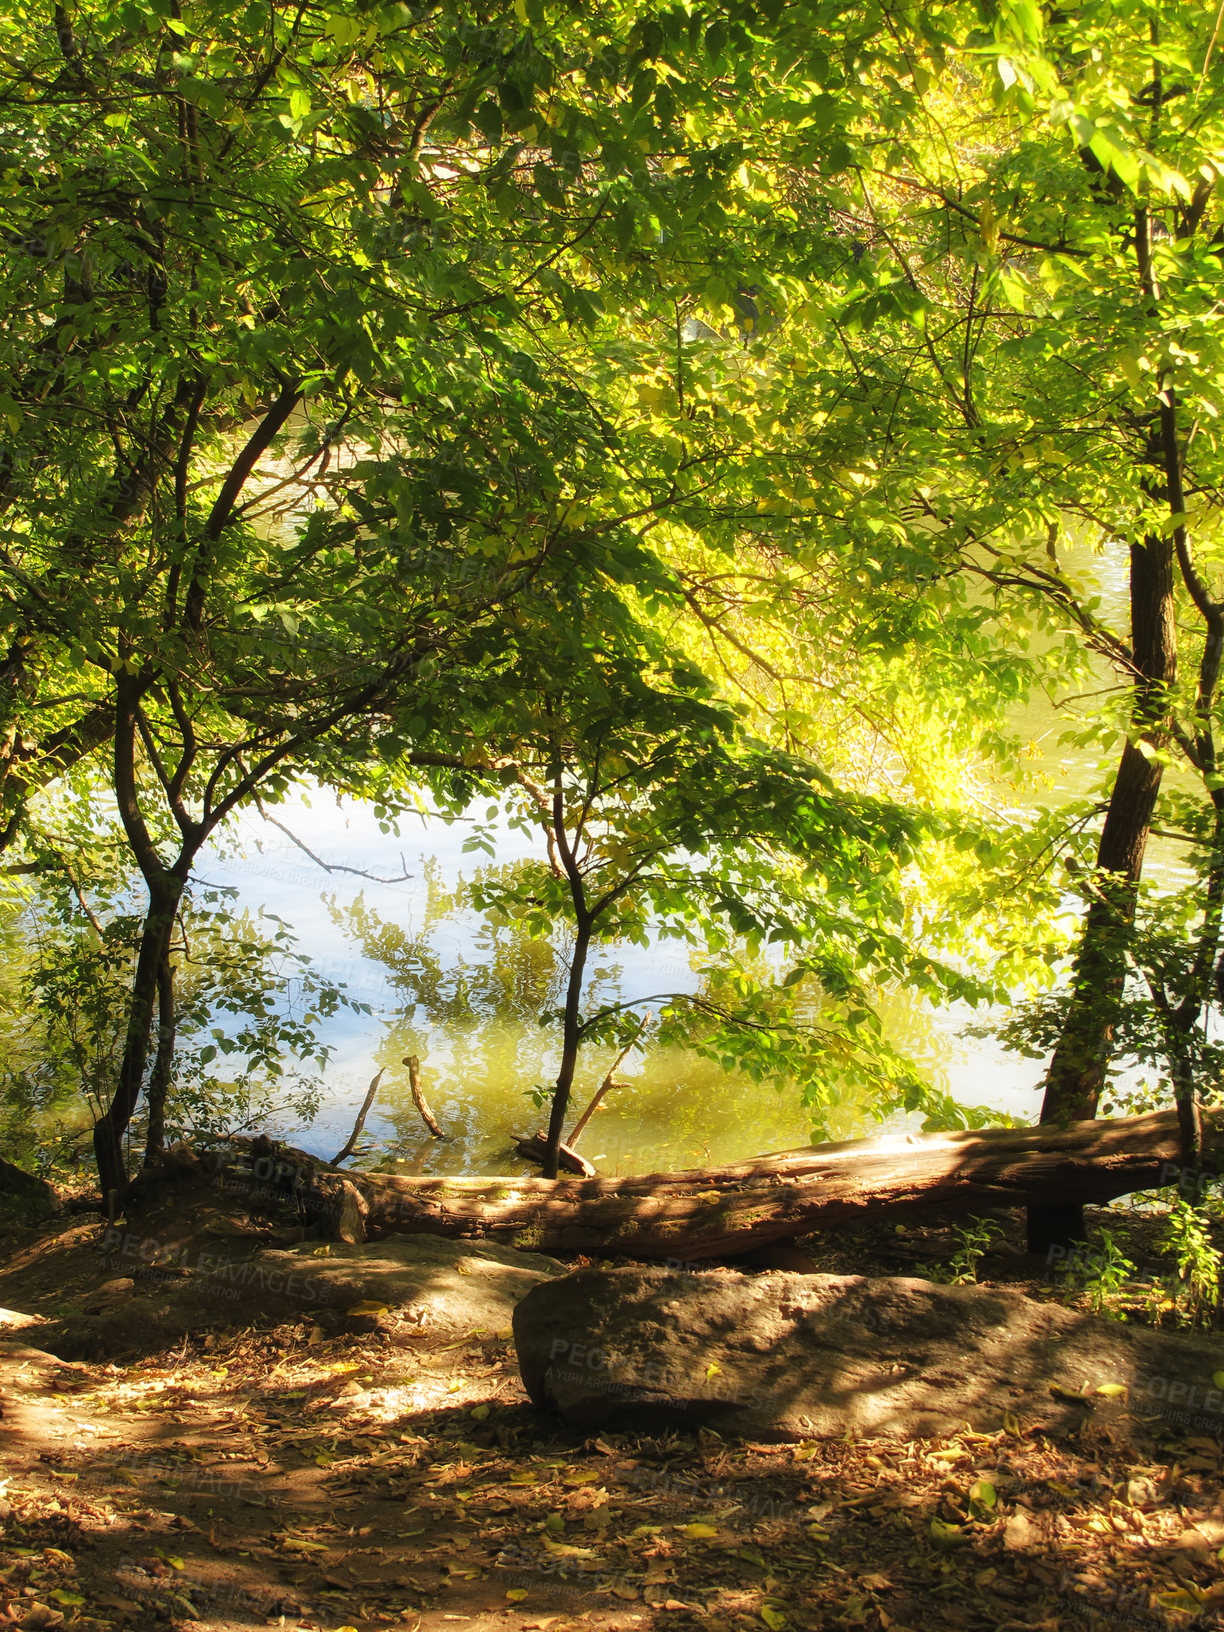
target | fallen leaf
[
  {"x": 698, "y": 1532},
  {"x": 39, "y": 1617},
  {"x": 1187, "y": 1597},
  {"x": 773, "y": 1617},
  {"x": 1112, "y": 1391},
  {"x": 944, "y": 1537},
  {"x": 1068, "y": 1395},
  {"x": 514, "y": 1595},
  {"x": 1019, "y": 1533},
  {"x": 367, "y": 1307}
]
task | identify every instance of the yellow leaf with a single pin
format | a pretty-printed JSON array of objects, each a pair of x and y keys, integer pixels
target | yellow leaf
[
  {"x": 698, "y": 1532},
  {"x": 480, "y": 1412},
  {"x": 945, "y": 1536},
  {"x": 561, "y": 1550},
  {"x": 1218, "y": 1379},
  {"x": 514, "y": 1596},
  {"x": 1111, "y": 1391},
  {"x": 368, "y": 1308},
  {"x": 175, "y": 1563},
  {"x": 773, "y": 1617},
  {"x": 713, "y": 1370},
  {"x": 1185, "y": 1598}
]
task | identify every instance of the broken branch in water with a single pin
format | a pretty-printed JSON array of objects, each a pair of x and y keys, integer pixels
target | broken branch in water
[
  {"x": 360, "y": 1122},
  {"x": 414, "y": 1080}
]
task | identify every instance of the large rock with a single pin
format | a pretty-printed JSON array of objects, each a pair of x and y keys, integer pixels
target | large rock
[
  {"x": 434, "y": 1283},
  {"x": 785, "y": 1356},
  {"x": 126, "y": 1292}
]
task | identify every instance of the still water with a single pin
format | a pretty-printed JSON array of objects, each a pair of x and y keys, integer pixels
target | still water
[{"x": 466, "y": 996}]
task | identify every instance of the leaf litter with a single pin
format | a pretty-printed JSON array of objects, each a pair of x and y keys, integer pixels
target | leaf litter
[{"x": 273, "y": 1477}]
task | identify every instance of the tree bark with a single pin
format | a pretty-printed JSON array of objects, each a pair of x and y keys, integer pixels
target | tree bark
[
  {"x": 725, "y": 1212},
  {"x": 163, "y": 1064},
  {"x": 1080, "y": 1063},
  {"x": 571, "y": 1041},
  {"x": 113, "y": 1123}
]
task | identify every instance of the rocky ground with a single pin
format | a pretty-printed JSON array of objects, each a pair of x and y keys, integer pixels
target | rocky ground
[{"x": 324, "y": 1464}]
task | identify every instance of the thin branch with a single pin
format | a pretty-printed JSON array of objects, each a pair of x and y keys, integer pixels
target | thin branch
[
  {"x": 343, "y": 1155},
  {"x": 328, "y": 867}
]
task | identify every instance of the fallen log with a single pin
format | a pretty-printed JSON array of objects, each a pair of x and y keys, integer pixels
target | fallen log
[{"x": 706, "y": 1213}]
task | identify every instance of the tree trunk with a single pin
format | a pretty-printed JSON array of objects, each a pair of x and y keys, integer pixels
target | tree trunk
[
  {"x": 1081, "y": 1060},
  {"x": 113, "y": 1123},
  {"x": 163, "y": 1064},
  {"x": 571, "y": 1040},
  {"x": 725, "y": 1212}
]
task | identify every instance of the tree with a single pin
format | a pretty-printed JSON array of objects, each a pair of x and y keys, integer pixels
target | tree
[
  {"x": 1026, "y": 345},
  {"x": 662, "y": 815},
  {"x": 258, "y": 270}
]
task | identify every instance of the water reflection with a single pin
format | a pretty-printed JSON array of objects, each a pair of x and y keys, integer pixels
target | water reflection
[{"x": 470, "y": 991}]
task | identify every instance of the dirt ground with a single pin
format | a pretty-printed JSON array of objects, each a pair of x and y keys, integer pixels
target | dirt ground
[{"x": 279, "y": 1473}]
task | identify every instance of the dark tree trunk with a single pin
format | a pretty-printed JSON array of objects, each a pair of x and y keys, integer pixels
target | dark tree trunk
[
  {"x": 112, "y": 1125},
  {"x": 163, "y": 1064},
  {"x": 571, "y": 1040},
  {"x": 1081, "y": 1060}
]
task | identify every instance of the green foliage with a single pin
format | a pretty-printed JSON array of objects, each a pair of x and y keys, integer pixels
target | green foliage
[
  {"x": 1105, "y": 1273},
  {"x": 975, "y": 1238},
  {"x": 1188, "y": 1234}
]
